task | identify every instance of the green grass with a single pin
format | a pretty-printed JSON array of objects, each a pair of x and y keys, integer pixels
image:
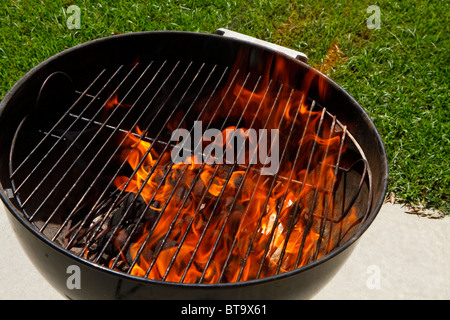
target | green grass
[{"x": 399, "y": 73}]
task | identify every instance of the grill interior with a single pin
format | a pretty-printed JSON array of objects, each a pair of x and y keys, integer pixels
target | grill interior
[{"x": 70, "y": 153}]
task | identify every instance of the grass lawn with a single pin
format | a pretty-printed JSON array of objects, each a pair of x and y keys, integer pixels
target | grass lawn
[{"x": 399, "y": 73}]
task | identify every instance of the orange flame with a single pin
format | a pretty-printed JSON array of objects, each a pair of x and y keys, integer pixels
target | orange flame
[{"x": 114, "y": 102}]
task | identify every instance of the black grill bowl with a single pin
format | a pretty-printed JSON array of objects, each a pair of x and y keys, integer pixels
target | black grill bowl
[{"x": 99, "y": 282}]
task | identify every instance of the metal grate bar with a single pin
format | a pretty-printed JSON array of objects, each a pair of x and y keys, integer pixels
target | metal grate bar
[
  {"x": 116, "y": 129},
  {"x": 213, "y": 251},
  {"x": 50, "y": 133},
  {"x": 60, "y": 159},
  {"x": 223, "y": 188},
  {"x": 330, "y": 196},
  {"x": 122, "y": 142},
  {"x": 197, "y": 177},
  {"x": 24, "y": 181},
  {"x": 95, "y": 157},
  {"x": 137, "y": 194},
  {"x": 257, "y": 183},
  {"x": 167, "y": 202},
  {"x": 159, "y": 159},
  {"x": 193, "y": 184},
  {"x": 292, "y": 222},
  {"x": 139, "y": 252},
  {"x": 74, "y": 161},
  {"x": 310, "y": 219},
  {"x": 168, "y": 170},
  {"x": 267, "y": 200},
  {"x": 143, "y": 158}
]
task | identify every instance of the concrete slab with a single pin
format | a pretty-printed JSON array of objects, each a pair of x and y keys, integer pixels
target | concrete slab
[
  {"x": 400, "y": 256},
  {"x": 19, "y": 280}
]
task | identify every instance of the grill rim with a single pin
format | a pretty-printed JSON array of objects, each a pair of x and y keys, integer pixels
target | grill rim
[{"x": 376, "y": 203}]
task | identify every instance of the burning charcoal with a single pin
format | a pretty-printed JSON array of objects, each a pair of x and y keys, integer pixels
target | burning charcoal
[
  {"x": 199, "y": 188},
  {"x": 120, "y": 238},
  {"x": 234, "y": 220},
  {"x": 146, "y": 254},
  {"x": 143, "y": 212},
  {"x": 236, "y": 179},
  {"x": 169, "y": 243},
  {"x": 150, "y": 213},
  {"x": 117, "y": 215},
  {"x": 186, "y": 218},
  {"x": 180, "y": 192},
  {"x": 131, "y": 210},
  {"x": 101, "y": 241},
  {"x": 231, "y": 201},
  {"x": 125, "y": 210}
]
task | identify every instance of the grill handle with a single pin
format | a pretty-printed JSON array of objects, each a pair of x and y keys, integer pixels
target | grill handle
[{"x": 290, "y": 52}]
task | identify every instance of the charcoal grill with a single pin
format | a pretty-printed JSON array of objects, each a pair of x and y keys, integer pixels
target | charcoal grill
[{"x": 67, "y": 127}]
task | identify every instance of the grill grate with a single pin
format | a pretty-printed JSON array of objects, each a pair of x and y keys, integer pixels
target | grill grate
[{"x": 64, "y": 181}]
